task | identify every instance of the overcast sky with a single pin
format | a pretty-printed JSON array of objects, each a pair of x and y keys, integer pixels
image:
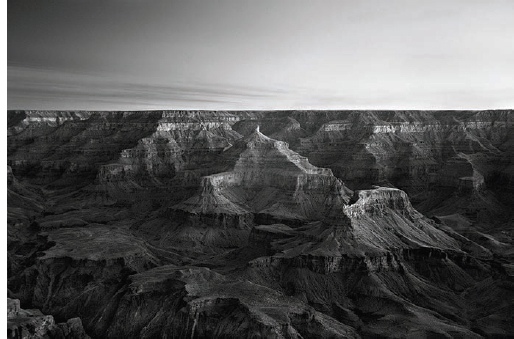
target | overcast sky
[{"x": 266, "y": 54}]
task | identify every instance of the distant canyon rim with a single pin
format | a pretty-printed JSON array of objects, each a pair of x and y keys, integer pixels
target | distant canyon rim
[{"x": 260, "y": 224}]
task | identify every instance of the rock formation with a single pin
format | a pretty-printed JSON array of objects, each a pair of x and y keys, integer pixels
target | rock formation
[
  {"x": 34, "y": 324},
  {"x": 237, "y": 224},
  {"x": 268, "y": 180}
]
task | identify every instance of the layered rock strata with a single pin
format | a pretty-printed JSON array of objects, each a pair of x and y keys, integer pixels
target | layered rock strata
[
  {"x": 406, "y": 148},
  {"x": 269, "y": 181},
  {"x": 182, "y": 144},
  {"x": 106, "y": 223}
]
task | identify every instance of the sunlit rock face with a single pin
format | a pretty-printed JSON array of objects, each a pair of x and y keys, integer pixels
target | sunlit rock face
[
  {"x": 292, "y": 224},
  {"x": 183, "y": 142},
  {"x": 268, "y": 180}
]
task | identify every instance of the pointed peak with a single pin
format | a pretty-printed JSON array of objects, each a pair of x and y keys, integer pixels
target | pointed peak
[
  {"x": 258, "y": 132},
  {"x": 257, "y": 136}
]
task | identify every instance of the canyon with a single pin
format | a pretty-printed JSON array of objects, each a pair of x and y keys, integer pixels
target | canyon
[{"x": 252, "y": 224}]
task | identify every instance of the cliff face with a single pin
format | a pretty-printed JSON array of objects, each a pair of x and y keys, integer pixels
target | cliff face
[
  {"x": 238, "y": 224},
  {"x": 408, "y": 148},
  {"x": 197, "y": 302},
  {"x": 182, "y": 143},
  {"x": 270, "y": 180},
  {"x": 63, "y": 148}
]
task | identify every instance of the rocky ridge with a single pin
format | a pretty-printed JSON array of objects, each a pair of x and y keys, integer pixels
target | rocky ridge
[{"x": 270, "y": 180}]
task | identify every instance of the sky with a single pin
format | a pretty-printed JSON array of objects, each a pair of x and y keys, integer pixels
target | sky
[{"x": 266, "y": 54}]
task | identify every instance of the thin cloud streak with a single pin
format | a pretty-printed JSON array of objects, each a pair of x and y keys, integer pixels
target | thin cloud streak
[
  {"x": 29, "y": 86},
  {"x": 36, "y": 88}
]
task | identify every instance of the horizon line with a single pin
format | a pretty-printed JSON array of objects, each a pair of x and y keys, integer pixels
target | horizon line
[{"x": 264, "y": 110}]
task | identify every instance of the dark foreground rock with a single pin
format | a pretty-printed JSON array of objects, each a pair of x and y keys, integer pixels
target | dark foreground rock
[{"x": 34, "y": 324}]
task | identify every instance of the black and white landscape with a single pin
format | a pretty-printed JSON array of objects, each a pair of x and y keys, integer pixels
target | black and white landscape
[
  {"x": 260, "y": 169},
  {"x": 256, "y": 224}
]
